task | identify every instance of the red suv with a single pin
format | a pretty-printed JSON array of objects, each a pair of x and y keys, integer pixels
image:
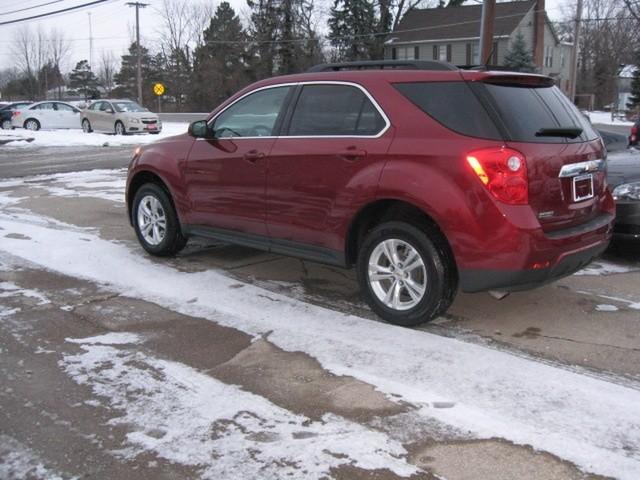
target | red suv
[{"x": 425, "y": 177}]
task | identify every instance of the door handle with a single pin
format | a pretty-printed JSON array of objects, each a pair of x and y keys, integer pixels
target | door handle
[
  {"x": 352, "y": 153},
  {"x": 253, "y": 155}
]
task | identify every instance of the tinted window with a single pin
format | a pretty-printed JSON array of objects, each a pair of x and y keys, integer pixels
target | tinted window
[
  {"x": 95, "y": 106},
  {"x": 128, "y": 107},
  {"x": 526, "y": 110},
  {"x": 334, "y": 110},
  {"x": 454, "y": 105},
  {"x": 253, "y": 116}
]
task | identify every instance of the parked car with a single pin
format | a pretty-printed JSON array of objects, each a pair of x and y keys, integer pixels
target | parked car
[
  {"x": 634, "y": 135},
  {"x": 624, "y": 181},
  {"x": 425, "y": 177},
  {"x": 120, "y": 117},
  {"x": 6, "y": 113},
  {"x": 46, "y": 115}
]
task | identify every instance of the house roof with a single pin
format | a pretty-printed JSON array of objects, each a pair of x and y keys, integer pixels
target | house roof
[{"x": 426, "y": 24}]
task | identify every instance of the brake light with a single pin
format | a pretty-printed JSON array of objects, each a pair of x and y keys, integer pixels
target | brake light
[
  {"x": 634, "y": 133},
  {"x": 503, "y": 172},
  {"x": 16, "y": 113}
]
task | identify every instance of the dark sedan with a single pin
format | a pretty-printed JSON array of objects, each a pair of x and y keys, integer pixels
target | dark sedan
[
  {"x": 624, "y": 181},
  {"x": 6, "y": 112}
]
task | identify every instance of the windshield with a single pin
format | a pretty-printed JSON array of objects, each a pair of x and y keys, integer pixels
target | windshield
[
  {"x": 539, "y": 114},
  {"x": 128, "y": 107}
]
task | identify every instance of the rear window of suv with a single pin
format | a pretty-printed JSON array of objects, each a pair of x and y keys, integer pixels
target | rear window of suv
[{"x": 525, "y": 110}]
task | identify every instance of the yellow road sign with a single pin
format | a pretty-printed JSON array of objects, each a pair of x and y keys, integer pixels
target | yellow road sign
[{"x": 158, "y": 89}]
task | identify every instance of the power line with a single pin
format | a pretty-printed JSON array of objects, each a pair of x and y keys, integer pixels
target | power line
[
  {"x": 48, "y": 14},
  {"x": 31, "y": 8}
]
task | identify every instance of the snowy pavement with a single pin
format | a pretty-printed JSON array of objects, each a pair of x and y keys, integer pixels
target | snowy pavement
[{"x": 231, "y": 363}]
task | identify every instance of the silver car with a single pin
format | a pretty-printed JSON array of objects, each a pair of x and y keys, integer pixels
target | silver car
[{"x": 120, "y": 117}]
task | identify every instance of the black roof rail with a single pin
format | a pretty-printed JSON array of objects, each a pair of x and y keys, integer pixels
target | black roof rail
[
  {"x": 384, "y": 65},
  {"x": 496, "y": 68}
]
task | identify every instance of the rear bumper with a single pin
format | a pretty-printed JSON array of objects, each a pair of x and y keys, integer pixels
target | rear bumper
[{"x": 513, "y": 281}]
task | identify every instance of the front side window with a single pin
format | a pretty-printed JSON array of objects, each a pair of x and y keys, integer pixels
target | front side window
[
  {"x": 95, "y": 106},
  {"x": 253, "y": 116},
  {"x": 335, "y": 110},
  {"x": 63, "y": 107}
]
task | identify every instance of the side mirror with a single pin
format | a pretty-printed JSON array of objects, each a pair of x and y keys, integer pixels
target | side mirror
[
  {"x": 200, "y": 129},
  {"x": 109, "y": 110}
]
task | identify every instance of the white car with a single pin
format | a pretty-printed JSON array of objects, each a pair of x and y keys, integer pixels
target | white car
[{"x": 47, "y": 115}]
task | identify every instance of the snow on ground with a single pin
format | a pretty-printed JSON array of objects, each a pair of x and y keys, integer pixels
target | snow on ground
[
  {"x": 17, "y": 461},
  {"x": 589, "y": 421},
  {"x": 604, "y": 118},
  {"x": 190, "y": 418},
  {"x": 606, "y": 267},
  {"x": 75, "y": 138}
]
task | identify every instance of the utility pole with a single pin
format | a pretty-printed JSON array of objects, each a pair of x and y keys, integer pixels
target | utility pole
[
  {"x": 138, "y": 6},
  {"x": 90, "y": 43},
  {"x": 574, "y": 52},
  {"x": 486, "y": 30}
]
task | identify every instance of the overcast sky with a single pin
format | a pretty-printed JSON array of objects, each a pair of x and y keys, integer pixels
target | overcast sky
[{"x": 112, "y": 24}]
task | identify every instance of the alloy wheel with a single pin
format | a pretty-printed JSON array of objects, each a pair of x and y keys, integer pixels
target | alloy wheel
[
  {"x": 152, "y": 220},
  {"x": 397, "y": 274}
]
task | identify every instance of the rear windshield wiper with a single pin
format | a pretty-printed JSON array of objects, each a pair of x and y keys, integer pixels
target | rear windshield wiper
[{"x": 569, "y": 132}]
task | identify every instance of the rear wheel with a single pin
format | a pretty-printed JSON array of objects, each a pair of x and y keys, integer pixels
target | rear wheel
[
  {"x": 119, "y": 128},
  {"x": 86, "y": 126},
  {"x": 156, "y": 222},
  {"x": 6, "y": 125},
  {"x": 32, "y": 124},
  {"x": 405, "y": 274}
]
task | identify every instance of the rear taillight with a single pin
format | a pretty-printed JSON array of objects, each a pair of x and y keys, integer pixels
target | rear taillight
[
  {"x": 16, "y": 113},
  {"x": 503, "y": 172},
  {"x": 634, "y": 133}
]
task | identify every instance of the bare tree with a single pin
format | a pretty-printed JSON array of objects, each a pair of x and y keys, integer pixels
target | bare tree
[
  {"x": 59, "y": 50},
  {"x": 107, "y": 68},
  {"x": 28, "y": 48}
]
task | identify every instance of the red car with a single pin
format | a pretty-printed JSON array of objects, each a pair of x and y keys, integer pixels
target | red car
[{"x": 425, "y": 177}]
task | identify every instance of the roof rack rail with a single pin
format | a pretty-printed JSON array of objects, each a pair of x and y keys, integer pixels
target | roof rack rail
[{"x": 384, "y": 65}]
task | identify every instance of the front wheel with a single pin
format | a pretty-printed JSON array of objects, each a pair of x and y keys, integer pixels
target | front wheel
[
  {"x": 405, "y": 274},
  {"x": 119, "y": 128},
  {"x": 156, "y": 222}
]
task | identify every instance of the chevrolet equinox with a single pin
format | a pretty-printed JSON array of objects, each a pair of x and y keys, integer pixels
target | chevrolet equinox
[{"x": 425, "y": 177}]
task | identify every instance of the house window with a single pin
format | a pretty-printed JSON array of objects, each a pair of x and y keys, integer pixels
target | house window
[
  {"x": 562, "y": 59},
  {"x": 416, "y": 53},
  {"x": 406, "y": 53},
  {"x": 548, "y": 56},
  {"x": 435, "y": 52},
  {"x": 449, "y": 53},
  {"x": 394, "y": 54}
]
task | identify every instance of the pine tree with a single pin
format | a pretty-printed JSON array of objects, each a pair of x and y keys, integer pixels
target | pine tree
[
  {"x": 352, "y": 24},
  {"x": 84, "y": 80},
  {"x": 220, "y": 64},
  {"x": 151, "y": 66},
  {"x": 518, "y": 58},
  {"x": 634, "y": 99}
]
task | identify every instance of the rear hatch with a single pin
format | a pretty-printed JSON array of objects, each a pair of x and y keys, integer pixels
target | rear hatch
[{"x": 564, "y": 154}]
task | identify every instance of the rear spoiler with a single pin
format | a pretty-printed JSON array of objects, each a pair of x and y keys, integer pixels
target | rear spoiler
[{"x": 513, "y": 79}]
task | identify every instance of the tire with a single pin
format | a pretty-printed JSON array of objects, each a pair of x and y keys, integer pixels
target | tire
[
  {"x": 119, "y": 129},
  {"x": 165, "y": 244},
  {"x": 436, "y": 275},
  {"x": 6, "y": 125},
  {"x": 32, "y": 124},
  {"x": 86, "y": 126}
]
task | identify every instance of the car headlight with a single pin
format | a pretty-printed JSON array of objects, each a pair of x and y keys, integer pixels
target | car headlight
[
  {"x": 134, "y": 120},
  {"x": 627, "y": 191}
]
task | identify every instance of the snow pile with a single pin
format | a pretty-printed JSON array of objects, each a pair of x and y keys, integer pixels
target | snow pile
[
  {"x": 74, "y": 138},
  {"x": 604, "y": 118},
  {"x": 190, "y": 418},
  {"x": 17, "y": 461}
]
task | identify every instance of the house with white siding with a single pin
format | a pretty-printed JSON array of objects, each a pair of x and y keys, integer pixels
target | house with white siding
[{"x": 453, "y": 34}]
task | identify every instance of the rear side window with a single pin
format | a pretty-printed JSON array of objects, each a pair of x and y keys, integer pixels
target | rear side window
[
  {"x": 454, "y": 105},
  {"x": 335, "y": 110},
  {"x": 526, "y": 110}
]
